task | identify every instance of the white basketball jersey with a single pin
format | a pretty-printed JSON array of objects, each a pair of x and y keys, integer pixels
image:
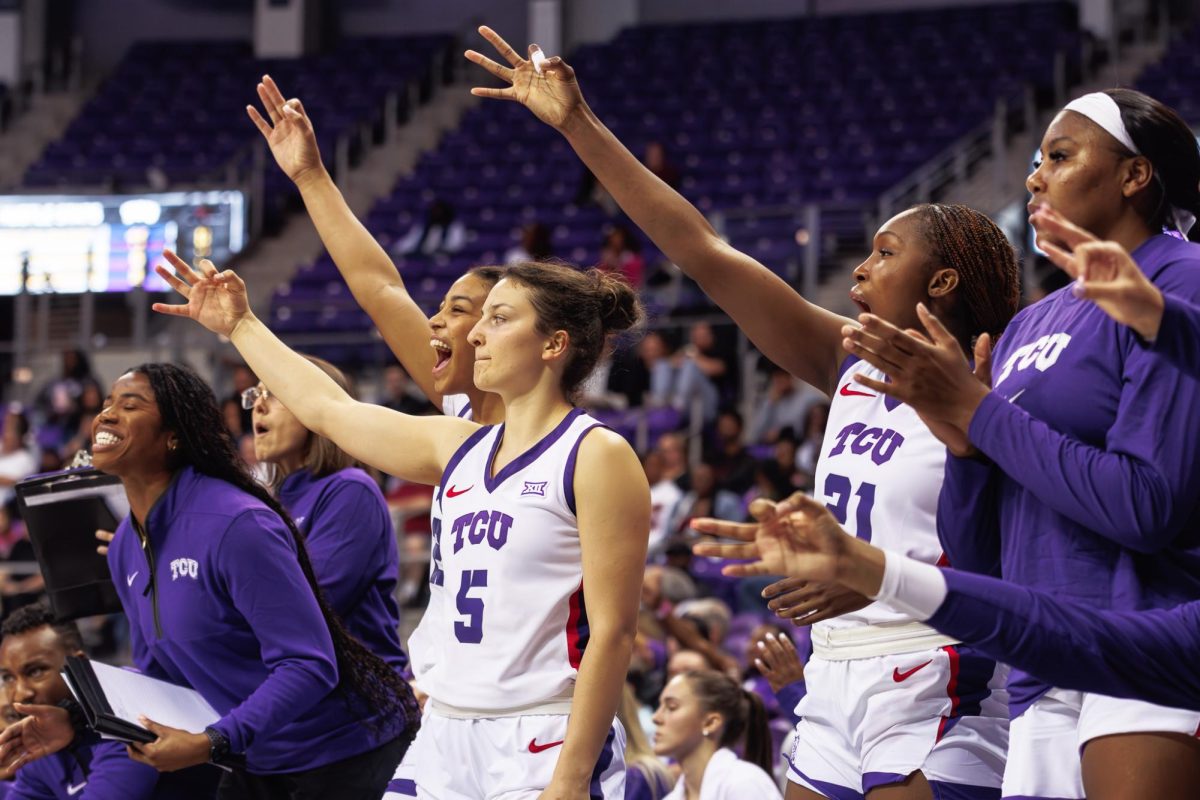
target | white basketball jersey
[
  {"x": 421, "y": 651},
  {"x": 512, "y": 624},
  {"x": 880, "y": 473}
]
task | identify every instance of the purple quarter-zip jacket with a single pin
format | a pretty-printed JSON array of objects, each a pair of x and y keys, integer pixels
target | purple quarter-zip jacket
[
  {"x": 352, "y": 545},
  {"x": 218, "y": 602},
  {"x": 1093, "y": 490}
]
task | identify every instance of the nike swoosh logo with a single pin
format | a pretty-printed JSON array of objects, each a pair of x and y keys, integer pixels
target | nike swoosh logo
[
  {"x": 129, "y": 579},
  {"x": 848, "y": 392},
  {"x": 899, "y": 676},
  {"x": 74, "y": 790},
  {"x": 452, "y": 492},
  {"x": 534, "y": 747},
  {"x": 1013, "y": 399}
]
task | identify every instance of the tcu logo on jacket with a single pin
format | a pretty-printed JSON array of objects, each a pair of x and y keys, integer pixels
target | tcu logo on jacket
[{"x": 184, "y": 567}]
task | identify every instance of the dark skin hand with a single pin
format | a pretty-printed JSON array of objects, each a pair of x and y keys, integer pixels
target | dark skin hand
[
  {"x": 930, "y": 374},
  {"x": 804, "y": 602},
  {"x": 174, "y": 749}
]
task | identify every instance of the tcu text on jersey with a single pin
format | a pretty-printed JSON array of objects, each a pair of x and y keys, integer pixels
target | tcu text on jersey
[
  {"x": 480, "y": 525},
  {"x": 1041, "y": 353},
  {"x": 882, "y": 443}
]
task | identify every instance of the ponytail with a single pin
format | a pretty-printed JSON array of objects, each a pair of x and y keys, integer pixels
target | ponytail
[
  {"x": 758, "y": 748},
  {"x": 744, "y": 714}
]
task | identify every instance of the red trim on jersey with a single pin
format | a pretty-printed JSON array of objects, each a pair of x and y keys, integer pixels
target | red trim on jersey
[
  {"x": 577, "y": 627},
  {"x": 942, "y": 561},
  {"x": 951, "y": 690}
]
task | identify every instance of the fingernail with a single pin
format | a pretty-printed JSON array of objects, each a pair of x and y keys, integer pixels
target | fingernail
[
  {"x": 771, "y": 636},
  {"x": 762, "y": 646},
  {"x": 758, "y": 662}
]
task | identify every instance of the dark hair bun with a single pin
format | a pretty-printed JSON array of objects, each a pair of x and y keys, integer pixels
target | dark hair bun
[{"x": 620, "y": 308}]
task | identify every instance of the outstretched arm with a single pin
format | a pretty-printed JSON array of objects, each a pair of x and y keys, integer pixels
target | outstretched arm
[
  {"x": 412, "y": 448},
  {"x": 801, "y": 337},
  {"x": 368, "y": 270},
  {"x": 1148, "y": 655}
]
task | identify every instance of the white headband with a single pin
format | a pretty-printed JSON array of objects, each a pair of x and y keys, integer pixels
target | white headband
[{"x": 1104, "y": 111}]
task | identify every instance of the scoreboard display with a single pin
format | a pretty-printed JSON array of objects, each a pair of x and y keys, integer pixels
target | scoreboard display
[{"x": 110, "y": 243}]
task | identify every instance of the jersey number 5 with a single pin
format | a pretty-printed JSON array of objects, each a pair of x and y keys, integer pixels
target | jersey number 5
[
  {"x": 838, "y": 490},
  {"x": 471, "y": 631}
]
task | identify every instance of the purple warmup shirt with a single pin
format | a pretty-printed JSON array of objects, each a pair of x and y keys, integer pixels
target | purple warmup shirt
[
  {"x": 352, "y": 546},
  {"x": 1145, "y": 655},
  {"x": 1093, "y": 491},
  {"x": 1178, "y": 338},
  {"x": 230, "y": 614},
  {"x": 92, "y": 769}
]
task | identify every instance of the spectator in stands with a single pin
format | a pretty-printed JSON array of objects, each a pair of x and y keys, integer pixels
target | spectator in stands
[
  {"x": 814, "y": 434},
  {"x": 705, "y": 499},
  {"x": 782, "y": 406},
  {"x": 622, "y": 252},
  {"x": 58, "y": 401},
  {"x": 784, "y": 453},
  {"x": 91, "y": 400},
  {"x": 701, "y": 717},
  {"x": 655, "y": 159},
  {"x": 441, "y": 232},
  {"x": 399, "y": 394},
  {"x": 534, "y": 246},
  {"x": 683, "y": 661},
  {"x": 732, "y": 464},
  {"x": 674, "y": 452},
  {"x": 17, "y": 460},
  {"x": 646, "y": 776},
  {"x": 664, "y": 496},
  {"x": 33, "y": 655}
]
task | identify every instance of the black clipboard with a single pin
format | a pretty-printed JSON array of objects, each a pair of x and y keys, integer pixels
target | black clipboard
[{"x": 62, "y": 511}]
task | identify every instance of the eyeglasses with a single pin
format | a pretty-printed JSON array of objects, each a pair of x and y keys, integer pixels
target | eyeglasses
[{"x": 252, "y": 396}]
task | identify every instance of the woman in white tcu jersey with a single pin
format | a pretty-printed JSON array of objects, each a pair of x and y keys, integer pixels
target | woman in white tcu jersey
[
  {"x": 539, "y": 513},
  {"x": 893, "y": 709}
]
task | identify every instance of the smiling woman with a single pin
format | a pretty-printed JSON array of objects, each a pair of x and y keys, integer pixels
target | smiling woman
[{"x": 246, "y": 625}]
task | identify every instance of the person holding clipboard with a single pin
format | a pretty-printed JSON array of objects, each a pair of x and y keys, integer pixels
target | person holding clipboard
[
  {"x": 214, "y": 577},
  {"x": 33, "y": 653}
]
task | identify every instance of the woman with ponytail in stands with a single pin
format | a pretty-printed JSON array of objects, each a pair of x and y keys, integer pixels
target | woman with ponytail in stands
[
  {"x": 1074, "y": 467},
  {"x": 547, "y": 521},
  {"x": 702, "y": 716},
  {"x": 216, "y": 582}
]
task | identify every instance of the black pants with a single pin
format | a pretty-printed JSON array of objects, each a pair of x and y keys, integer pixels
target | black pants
[{"x": 361, "y": 777}]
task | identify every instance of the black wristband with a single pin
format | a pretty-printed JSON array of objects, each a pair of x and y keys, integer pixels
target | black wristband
[{"x": 219, "y": 746}]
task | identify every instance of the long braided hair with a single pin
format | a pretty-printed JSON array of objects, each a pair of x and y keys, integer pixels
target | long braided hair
[
  {"x": 989, "y": 278},
  {"x": 189, "y": 408}
]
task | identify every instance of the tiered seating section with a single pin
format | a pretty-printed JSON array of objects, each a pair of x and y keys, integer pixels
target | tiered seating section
[
  {"x": 178, "y": 108},
  {"x": 1175, "y": 80},
  {"x": 755, "y": 115}
]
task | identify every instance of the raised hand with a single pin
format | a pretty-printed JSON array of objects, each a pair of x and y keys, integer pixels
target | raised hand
[
  {"x": 553, "y": 95},
  {"x": 930, "y": 374},
  {"x": 42, "y": 730},
  {"x": 804, "y": 542},
  {"x": 779, "y": 662},
  {"x": 217, "y": 300},
  {"x": 289, "y": 134},
  {"x": 1104, "y": 272}
]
